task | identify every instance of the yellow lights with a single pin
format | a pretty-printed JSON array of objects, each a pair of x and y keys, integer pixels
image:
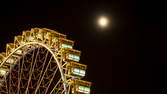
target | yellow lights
[
  {"x": 19, "y": 52},
  {"x": 44, "y": 46},
  {"x": 4, "y": 72},
  {"x": 63, "y": 45},
  {"x": 10, "y": 60},
  {"x": 71, "y": 54},
  {"x": 82, "y": 87},
  {"x": 73, "y": 57},
  {"x": 103, "y": 21},
  {"x": 78, "y": 71}
]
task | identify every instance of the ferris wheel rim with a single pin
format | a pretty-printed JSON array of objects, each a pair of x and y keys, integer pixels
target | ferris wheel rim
[{"x": 48, "y": 49}]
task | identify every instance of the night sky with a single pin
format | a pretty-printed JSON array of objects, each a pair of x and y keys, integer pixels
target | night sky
[{"x": 127, "y": 58}]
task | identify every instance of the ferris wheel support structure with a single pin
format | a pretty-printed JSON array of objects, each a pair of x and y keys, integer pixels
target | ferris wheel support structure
[{"x": 42, "y": 61}]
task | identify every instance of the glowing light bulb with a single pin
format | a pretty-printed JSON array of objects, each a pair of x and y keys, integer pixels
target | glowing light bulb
[{"x": 103, "y": 21}]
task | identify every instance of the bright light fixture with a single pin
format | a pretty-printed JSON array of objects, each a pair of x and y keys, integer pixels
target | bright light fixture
[{"x": 103, "y": 21}]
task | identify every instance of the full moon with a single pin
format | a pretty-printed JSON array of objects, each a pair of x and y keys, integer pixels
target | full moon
[{"x": 103, "y": 22}]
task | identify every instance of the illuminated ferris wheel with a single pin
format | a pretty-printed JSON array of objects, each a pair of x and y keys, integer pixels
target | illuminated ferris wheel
[{"x": 42, "y": 61}]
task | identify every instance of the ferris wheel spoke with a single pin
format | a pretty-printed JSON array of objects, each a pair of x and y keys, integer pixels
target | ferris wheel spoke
[
  {"x": 32, "y": 69},
  {"x": 59, "y": 88},
  {"x": 56, "y": 85},
  {"x": 43, "y": 58},
  {"x": 10, "y": 79},
  {"x": 62, "y": 91},
  {"x": 6, "y": 87},
  {"x": 69, "y": 88},
  {"x": 3, "y": 85},
  {"x": 18, "y": 84},
  {"x": 41, "y": 72},
  {"x": 51, "y": 80},
  {"x": 20, "y": 71},
  {"x": 42, "y": 75}
]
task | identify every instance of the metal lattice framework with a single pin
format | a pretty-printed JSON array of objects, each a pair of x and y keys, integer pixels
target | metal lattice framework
[{"x": 42, "y": 61}]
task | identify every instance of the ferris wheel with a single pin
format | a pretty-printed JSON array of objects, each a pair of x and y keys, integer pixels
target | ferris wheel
[{"x": 42, "y": 61}]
